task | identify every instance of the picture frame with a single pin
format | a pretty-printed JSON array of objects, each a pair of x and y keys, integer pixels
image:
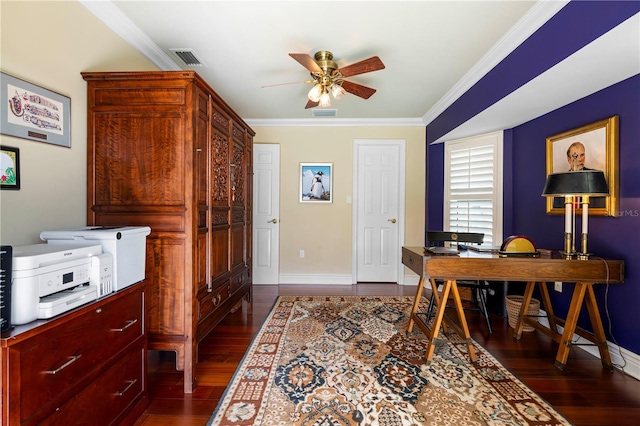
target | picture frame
[
  {"x": 600, "y": 145},
  {"x": 9, "y": 168},
  {"x": 32, "y": 112},
  {"x": 316, "y": 183}
]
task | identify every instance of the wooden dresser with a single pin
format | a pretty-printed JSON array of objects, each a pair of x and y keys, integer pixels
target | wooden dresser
[
  {"x": 165, "y": 151},
  {"x": 85, "y": 365}
]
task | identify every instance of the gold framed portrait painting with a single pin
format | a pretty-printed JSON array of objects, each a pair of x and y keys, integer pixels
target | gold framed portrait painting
[{"x": 593, "y": 146}]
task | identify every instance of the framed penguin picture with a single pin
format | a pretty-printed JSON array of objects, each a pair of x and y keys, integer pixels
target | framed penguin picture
[{"x": 316, "y": 182}]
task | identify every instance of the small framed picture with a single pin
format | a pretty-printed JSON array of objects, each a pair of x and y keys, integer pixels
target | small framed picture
[
  {"x": 590, "y": 147},
  {"x": 32, "y": 112},
  {"x": 9, "y": 168},
  {"x": 316, "y": 182}
]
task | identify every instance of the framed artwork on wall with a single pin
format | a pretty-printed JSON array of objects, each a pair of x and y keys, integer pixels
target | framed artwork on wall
[
  {"x": 593, "y": 146},
  {"x": 9, "y": 168},
  {"x": 316, "y": 182},
  {"x": 31, "y": 112}
]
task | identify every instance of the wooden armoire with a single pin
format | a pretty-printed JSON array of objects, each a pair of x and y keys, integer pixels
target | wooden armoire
[{"x": 165, "y": 151}]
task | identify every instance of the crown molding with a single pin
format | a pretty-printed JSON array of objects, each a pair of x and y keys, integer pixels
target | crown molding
[
  {"x": 539, "y": 13},
  {"x": 336, "y": 122},
  {"x": 119, "y": 23}
]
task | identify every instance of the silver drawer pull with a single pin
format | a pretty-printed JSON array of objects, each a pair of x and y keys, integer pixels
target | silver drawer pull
[
  {"x": 131, "y": 383},
  {"x": 129, "y": 324},
  {"x": 65, "y": 365}
]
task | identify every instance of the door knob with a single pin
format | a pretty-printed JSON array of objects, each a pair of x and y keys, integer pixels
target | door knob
[
  {"x": 392, "y": 220},
  {"x": 274, "y": 220}
]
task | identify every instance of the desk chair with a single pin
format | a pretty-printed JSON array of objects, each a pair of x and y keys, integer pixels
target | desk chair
[{"x": 439, "y": 238}]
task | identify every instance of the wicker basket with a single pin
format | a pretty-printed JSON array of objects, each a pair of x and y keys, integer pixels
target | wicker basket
[{"x": 513, "y": 309}]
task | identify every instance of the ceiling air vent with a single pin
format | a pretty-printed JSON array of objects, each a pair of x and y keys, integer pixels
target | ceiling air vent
[
  {"x": 189, "y": 57},
  {"x": 324, "y": 112}
]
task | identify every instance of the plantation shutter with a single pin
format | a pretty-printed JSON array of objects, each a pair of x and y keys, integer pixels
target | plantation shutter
[{"x": 473, "y": 190}]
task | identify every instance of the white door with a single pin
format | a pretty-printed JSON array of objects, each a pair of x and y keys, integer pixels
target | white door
[
  {"x": 379, "y": 209},
  {"x": 266, "y": 211}
]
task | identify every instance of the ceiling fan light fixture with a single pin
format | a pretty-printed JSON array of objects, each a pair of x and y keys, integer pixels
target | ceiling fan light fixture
[
  {"x": 338, "y": 91},
  {"x": 325, "y": 100},
  {"x": 315, "y": 92}
]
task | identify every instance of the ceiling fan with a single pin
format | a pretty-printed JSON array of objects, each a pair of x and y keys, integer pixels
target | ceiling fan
[{"x": 328, "y": 78}]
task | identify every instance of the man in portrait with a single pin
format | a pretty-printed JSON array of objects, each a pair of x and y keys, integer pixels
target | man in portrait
[{"x": 576, "y": 157}]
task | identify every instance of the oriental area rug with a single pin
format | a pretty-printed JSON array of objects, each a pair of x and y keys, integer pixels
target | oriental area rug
[{"x": 348, "y": 360}]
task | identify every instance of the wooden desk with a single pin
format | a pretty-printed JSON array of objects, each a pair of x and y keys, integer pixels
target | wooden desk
[{"x": 471, "y": 265}]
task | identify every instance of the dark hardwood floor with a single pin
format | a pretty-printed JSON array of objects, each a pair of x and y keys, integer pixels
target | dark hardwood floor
[{"x": 584, "y": 392}]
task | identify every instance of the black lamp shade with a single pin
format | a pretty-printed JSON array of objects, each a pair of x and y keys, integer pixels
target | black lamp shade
[{"x": 582, "y": 182}]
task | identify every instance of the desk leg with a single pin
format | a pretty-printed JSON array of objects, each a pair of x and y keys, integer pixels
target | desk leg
[
  {"x": 463, "y": 321},
  {"x": 416, "y": 303},
  {"x": 598, "y": 330},
  {"x": 437, "y": 300},
  {"x": 524, "y": 308},
  {"x": 437, "y": 321},
  {"x": 546, "y": 302},
  {"x": 570, "y": 324}
]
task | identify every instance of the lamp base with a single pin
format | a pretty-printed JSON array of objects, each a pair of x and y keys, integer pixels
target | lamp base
[
  {"x": 569, "y": 255},
  {"x": 583, "y": 256}
]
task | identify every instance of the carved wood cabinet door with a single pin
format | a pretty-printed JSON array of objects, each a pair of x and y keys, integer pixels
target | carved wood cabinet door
[{"x": 165, "y": 151}]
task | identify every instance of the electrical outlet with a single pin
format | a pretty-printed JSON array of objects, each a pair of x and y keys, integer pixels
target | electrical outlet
[
  {"x": 558, "y": 286},
  {"x": 301, "y": 253}
]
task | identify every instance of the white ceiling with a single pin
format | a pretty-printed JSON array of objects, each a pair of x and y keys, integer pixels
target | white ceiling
[{"x": 433, "y": 51}]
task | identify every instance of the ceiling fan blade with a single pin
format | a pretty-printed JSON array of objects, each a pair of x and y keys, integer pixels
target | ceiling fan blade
[
  {"x": 368, "y": 65},
  {"x": 311, "y": 104},
  {"x": 358, "y": 89},
  {"x": 306, "y": 61}
]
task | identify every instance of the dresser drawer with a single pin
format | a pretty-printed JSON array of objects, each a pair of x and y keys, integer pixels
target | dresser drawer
[
  {"x": 108, "y": 396},
  {"x": 210, "y": 301},
  {"x": 62, "y": 357}
]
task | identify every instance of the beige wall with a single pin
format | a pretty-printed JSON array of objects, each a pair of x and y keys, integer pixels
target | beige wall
[
  {"x": 53, "y": 178},
  {"x": 48, "y": 44},
  {"x": 324, "y": 231}
]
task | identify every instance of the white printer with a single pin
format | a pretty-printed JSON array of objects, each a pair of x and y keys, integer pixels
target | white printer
[
  {"x": 49, "y": 280},
  {"x": 127, "y": 245}
]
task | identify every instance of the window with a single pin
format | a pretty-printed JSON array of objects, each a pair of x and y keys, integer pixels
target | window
[{"x": 473, "y": 186}]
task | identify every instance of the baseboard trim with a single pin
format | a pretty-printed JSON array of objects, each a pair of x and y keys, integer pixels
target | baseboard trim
[
  {"x": 619, "y": 356},
  {"x": 315, "y": 279}
]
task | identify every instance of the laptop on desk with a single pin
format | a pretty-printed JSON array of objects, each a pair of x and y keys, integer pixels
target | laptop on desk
[
  {"x": 447, "y": 251},
  {"x": 484, "y": 248}
]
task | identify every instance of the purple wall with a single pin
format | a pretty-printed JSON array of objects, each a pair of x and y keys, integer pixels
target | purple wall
[
  {"x": 525, "y": 208},
  {"x": 615, "y": 238},
  {"x": 574, "y": 26}
]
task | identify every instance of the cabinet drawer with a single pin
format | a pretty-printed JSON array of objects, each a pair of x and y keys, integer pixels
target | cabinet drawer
[
  {"x": 62, "y": 357},
  {"x": 107, "y": 397},
  {"x": 210, "y": 301},
  {"x": 239, "y": 280}
]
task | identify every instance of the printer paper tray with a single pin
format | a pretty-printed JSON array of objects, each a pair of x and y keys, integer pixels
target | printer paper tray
[{"x": 61, "y": 302}]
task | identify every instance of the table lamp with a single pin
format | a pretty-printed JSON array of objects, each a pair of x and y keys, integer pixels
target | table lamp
[{"x": 572, "y": 186}]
